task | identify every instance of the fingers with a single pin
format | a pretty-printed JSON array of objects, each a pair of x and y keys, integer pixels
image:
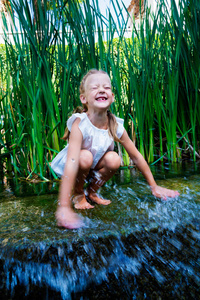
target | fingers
[
  {"x": 164, "y": 193},
  {"x": 70, "y": 225},
  {"x": 68, "y": 219}
]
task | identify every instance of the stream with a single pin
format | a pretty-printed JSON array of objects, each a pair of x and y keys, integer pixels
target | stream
[{"x": 138, "y": 247}]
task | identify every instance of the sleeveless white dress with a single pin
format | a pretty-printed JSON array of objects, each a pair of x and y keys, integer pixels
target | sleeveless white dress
[{"x": 97, "y": 141}]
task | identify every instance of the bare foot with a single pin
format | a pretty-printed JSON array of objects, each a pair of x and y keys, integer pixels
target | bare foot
[
  {"x": 95, "y": 198},
  {"x": 80, "y": 202},
  {"x": 67, "y": 218}
]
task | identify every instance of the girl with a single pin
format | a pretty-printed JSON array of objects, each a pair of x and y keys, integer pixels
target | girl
[{"x": 89, "y": 152}]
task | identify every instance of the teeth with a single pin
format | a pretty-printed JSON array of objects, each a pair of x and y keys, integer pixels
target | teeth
[{"x": 101, "y": 99}]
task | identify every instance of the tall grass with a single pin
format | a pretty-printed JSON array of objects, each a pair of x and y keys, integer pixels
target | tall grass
[{"x": 155, "y": 76}]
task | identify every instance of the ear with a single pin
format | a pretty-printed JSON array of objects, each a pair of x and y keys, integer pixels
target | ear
[{"x": 83, "y": 99}]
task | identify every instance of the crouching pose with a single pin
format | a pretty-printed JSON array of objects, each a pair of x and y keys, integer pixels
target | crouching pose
[{"x": 89, "y": 153}]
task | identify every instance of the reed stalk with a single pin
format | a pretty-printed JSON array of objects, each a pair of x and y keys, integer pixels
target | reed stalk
[{"x": 155, "y": 77}]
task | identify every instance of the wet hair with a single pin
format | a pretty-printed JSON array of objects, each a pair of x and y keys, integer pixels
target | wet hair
[{"x": 112, "y": 123}]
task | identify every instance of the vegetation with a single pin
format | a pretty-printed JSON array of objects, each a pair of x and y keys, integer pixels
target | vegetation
[{"x": 155, "y": 75}]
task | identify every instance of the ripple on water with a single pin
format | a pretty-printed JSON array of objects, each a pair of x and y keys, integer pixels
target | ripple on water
[
  {"x": 134, "y": 243},
  {"x": 132, "y": 206}
]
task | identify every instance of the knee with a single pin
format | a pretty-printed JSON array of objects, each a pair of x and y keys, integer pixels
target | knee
[
  {"x": 86, "y": 159},
  {"x": 112, "y": 161}
]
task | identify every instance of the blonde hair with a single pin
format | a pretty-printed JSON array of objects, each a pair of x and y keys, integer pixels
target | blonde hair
[
  {"x": 112, "y": 123},
  {"x": 89, "y": 73}
]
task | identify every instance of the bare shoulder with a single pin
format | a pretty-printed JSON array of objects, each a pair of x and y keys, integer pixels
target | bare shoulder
[
  {"x": 76, "y": 122},
  {"x": 75, "y": 125},
  {"x": 125, "y": 138},
  {"x": 75, "y": 133}
]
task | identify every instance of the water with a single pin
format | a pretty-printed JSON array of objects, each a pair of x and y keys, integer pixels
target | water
[{"x": 138, "y": 247}]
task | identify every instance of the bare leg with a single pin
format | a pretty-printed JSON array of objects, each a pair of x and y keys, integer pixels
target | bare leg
[
  {"x": 104, "y": 170},
  {"x": 79, "y": 198}
]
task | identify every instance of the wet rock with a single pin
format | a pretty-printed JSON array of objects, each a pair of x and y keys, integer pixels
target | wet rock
[{"x": 160, "y": 264}]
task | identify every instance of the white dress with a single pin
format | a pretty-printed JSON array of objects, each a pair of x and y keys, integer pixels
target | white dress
[{"x": 97, "y": 141}]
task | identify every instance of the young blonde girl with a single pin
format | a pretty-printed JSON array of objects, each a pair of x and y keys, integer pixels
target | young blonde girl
[{"x": 89, "y": 153}]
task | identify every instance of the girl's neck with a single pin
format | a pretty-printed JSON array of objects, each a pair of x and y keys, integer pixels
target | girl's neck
[{"x": 99, "y": 119}]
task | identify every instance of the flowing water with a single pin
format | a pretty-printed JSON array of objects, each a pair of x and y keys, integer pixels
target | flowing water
[{"x": 138, "y": 247}]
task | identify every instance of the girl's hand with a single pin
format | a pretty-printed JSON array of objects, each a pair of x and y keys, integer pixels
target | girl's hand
[
  {"x": 163, "y": 193},
  {"x": 67, "y": 218}
]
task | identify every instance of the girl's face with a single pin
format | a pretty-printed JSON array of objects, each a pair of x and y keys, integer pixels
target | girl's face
[{"x": 98, "y": 92}]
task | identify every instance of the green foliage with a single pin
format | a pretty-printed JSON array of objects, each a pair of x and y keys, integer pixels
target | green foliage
[{"x": 155, "y": 76}]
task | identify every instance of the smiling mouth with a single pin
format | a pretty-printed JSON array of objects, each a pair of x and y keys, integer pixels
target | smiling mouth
[{"x": 101, "y": 99}]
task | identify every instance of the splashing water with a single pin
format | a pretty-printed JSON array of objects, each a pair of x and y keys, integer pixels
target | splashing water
[{"x": 138, "y": 247}]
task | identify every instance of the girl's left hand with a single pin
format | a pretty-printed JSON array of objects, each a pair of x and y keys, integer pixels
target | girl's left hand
[{"x": 163, "y": 193}]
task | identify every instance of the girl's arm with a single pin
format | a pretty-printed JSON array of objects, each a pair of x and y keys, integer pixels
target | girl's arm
[
  {"x": 65, "y": 215},
  {"x": 142, "y": 165}
]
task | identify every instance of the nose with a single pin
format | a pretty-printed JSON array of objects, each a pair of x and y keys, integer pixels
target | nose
[{"x": 101, "y": 89}]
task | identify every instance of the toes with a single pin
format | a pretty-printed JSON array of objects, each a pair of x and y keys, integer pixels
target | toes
[
  {"x": 88, "y": 206},
  {"x": 107, "y": 202},
  {"x": 100, "y": 201},
  {"x": 83, "y": 205},
  {"x": 70, "y": 224}
]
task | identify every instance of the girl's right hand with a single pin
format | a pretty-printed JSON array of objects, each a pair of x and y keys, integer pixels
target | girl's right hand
[{"x": 67, "y": 218}]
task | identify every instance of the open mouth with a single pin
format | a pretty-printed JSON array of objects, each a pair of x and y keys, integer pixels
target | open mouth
[{"x": 101, "y": 99}]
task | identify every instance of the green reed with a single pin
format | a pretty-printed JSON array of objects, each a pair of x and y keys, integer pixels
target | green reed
[{"x": 155, "y": 76}]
